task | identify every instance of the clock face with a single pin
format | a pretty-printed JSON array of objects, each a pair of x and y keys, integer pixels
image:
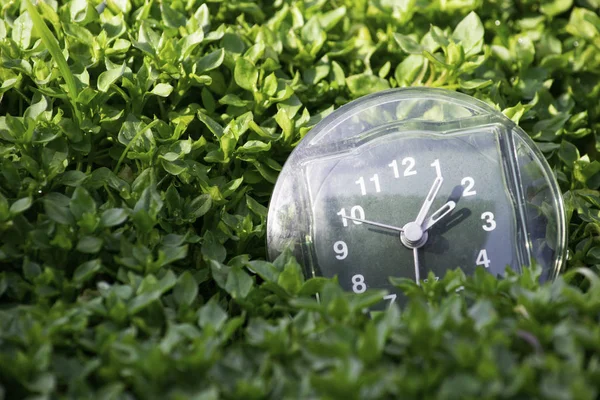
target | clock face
[
  {"x": 386, "y": 182},
  {"x": 413, "y": 182}
]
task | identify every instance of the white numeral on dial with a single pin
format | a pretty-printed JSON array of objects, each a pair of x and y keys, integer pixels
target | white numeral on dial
[
  {"x": 358, "y": 284},
  {"x": 394, "y": 166},
  {"x": 411, "y": 164},
  {"x": 482, "y": 259},
  {"x": 341, "y": 249},
  {"x": 490, "y": 223},
  {"x": 469, "y": 183},
  {"x": 361, "y": 182},
  {"x": 355, "y": 212},
  {"x": 391, "y": 298},
  {"x": 375, "y": 179},
  {"x": 436, "y": 165},
  {"x": 363, "y": 188}
]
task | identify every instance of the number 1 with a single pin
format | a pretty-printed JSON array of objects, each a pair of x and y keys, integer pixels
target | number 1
[{"x": 436, "y": 165}]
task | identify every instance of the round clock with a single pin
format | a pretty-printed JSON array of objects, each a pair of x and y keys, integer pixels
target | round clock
[{"x": 411, "y": 181}]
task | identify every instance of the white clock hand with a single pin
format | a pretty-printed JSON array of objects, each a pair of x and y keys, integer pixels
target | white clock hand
[
  {"x": 364, "y": 221},
  {"x": 439, "y": 214},
  {"x": 417, "y": 273},
  {"x": 437, "y": 184}
]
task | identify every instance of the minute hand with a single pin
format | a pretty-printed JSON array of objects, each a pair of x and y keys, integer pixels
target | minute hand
[
  {"x": 439, "y": 214},
  {"x": 435, "y": 188},
  {"x": 364, "y": 221}
]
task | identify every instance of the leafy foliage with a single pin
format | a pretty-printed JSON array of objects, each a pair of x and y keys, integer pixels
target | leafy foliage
[{"x": 140, "y": 142}]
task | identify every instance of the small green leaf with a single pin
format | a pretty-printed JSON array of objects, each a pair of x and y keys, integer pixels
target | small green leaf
[
  {"x": 21, "y": 32},
  {"x": 469, "y": 33},
  {"x": 162, "y": 90},
  {"x": 198, "y": 207},
  {"x": 212, "y": 314},
  {"x": 56, "y": 207},
  {"x": 408, "y": 44},
  {"x": 555, "y": 7},
  {"x": 109, "y": 77},
  {"x": 210, "y": 61},
  {"x": 89, "y": 245},
  {"x": 212, "y": 249},
  {"x": 113, "y": 217},
  {"x": 52, "y": 45},
  {"x": 186, "y": 289},
  {"x": 82, "y": 203},
  {"x": 568, "y": 153},
  {"x": 86, "y": 270},
  {"x": 245, "y": 74},
  {"x": 363, "y": 84},
  {"x": 21, "y": 205},
  {"x": 238, "y": 283}
]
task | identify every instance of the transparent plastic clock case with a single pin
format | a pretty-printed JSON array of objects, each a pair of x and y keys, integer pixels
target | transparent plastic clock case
[{"x": 376, "y": 158}]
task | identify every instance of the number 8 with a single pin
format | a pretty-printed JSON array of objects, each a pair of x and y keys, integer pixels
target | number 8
[{"x": 358, "y": 284}]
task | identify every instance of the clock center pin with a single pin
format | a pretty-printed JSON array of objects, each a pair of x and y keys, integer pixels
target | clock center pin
[{"x": 413, "y": 235}]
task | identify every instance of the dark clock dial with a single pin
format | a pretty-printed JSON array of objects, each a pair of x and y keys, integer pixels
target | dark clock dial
[{"x": 362, "y": 199}]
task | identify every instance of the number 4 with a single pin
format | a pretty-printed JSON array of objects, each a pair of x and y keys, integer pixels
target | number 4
[{"x": 482, "y": 259}]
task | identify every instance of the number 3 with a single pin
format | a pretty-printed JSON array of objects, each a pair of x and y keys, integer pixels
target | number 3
[{"x": 490, "y": 224}]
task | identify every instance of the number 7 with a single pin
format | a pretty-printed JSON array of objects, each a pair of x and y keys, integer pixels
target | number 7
[{"x": 391, "y": 298}]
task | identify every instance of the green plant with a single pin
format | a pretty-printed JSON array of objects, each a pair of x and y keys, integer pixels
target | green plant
[{"x": 140, "y": 142}]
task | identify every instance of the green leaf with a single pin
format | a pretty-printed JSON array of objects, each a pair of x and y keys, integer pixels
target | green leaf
[
  {"x": 52, "y": 45},
  {"x": 363, "y": 84},
  {"x": 21, "y": 205},
  {"x": 584, "y": 23},
  {"x": 186, "y": 289},
  {"x": 56, "y": 207},
  {"x": 568, "y": 153},
  {"x": 245, "y": 74},
  {"x": 469, "y": 33},
  {"x": 162, "y": 90},
  {"x": 212, "y": 249},
  {"x": 82, "y": 203},
  {"x": 198, "y": 207},
  {"x": 87, "y": 270},
  {"x": 89, "y": 245},
  {"x": 555, "y": 7},
  {"x": 113, "y": 217},
  {"x": 109, "y": 77},
  {"x": 213, "y": 315},
  {"x": 21, "y": 32},
  {"x": 210, "y": 61},
  {"x": 408, "y": 44},
  {"x": 238, "y": 283}
]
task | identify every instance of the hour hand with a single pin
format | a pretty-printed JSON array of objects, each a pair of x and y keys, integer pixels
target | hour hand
[
  {"x": 364, "y": 221},
  {"x": 438, "y": 215}
]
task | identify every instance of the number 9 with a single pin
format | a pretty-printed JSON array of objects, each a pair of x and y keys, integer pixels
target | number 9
[{"x": 341, "y": 249}]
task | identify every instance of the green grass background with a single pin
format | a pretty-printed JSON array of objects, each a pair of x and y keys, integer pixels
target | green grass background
[{"x": 140, "y": 141}]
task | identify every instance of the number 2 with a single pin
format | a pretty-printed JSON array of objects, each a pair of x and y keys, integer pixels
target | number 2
[
  {"x": 411, "y": 164},
  {"x": 469, "y": 183}
]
